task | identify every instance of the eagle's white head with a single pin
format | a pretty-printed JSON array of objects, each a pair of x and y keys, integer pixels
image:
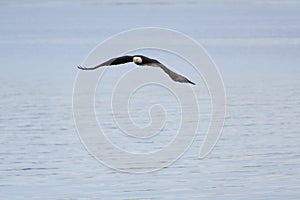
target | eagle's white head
[{"x": 137, "y": 60}]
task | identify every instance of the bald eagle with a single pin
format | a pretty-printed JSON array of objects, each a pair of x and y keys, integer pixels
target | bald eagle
[{"x": 143, "y": 61}]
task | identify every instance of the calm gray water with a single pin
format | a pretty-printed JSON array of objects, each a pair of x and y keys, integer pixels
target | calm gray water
[{"x": 256, "y": 45}]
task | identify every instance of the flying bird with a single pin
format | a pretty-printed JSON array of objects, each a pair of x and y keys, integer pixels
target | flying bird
[{"x": 141, "y": 61}]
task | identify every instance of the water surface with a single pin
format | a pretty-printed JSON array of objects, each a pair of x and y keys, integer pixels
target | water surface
[{"x": 256, "y": 47}]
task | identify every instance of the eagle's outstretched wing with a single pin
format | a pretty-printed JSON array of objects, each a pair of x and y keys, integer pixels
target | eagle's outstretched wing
[
  {"x": 113, "y": 61},
  {"x": 174, "y": 76}
]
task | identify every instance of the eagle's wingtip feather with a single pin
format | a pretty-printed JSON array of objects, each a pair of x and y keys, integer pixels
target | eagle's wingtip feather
[
  {"x": 191, "y": 82},
  {"x": 80, "y": 67}
]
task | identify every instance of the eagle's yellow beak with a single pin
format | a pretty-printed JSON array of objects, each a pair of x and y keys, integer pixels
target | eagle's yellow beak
[{"x": 135, "y": 60}]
